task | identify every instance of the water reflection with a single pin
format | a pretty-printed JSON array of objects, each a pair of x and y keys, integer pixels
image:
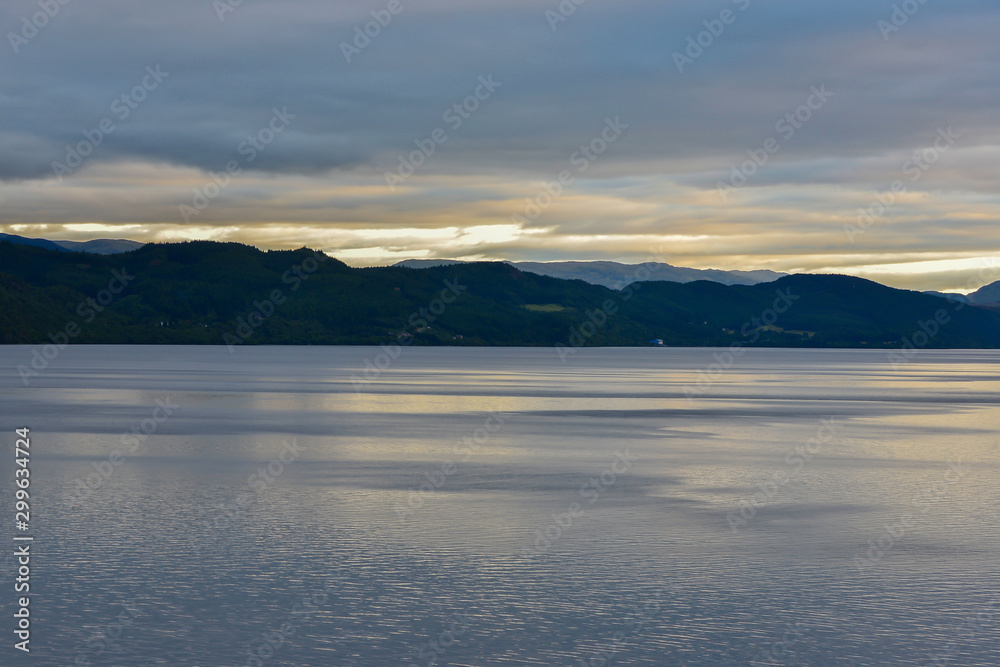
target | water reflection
[{"x": 436, "y": 525}]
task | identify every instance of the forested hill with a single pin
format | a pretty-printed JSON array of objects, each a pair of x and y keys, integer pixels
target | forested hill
[{"x": 228, "y": 293}]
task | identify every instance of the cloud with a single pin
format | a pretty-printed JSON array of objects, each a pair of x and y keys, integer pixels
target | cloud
[{"x": 325, "y": 173}]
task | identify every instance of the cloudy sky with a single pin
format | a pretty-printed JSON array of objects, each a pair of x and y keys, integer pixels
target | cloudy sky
[{"x": 845, "y": 136}]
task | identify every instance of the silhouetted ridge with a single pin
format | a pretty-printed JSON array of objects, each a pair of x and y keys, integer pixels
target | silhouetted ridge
[{"x": 206, "y": 292}]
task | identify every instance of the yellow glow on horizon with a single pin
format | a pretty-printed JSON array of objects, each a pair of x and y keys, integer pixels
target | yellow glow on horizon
[{"x": 99, "y": 228}]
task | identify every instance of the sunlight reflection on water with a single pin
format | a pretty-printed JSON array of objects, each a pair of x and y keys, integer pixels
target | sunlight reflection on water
[{"x": 410, "y": 521}]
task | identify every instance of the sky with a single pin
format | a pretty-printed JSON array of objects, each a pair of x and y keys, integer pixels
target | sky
[{"x": 845, "y": 136}]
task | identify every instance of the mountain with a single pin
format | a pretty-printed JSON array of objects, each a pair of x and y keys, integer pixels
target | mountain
[
  {"x": 101, "y": 246},
  {"x": 616, "y": 275},
  {"x": 987, "y": 295},
  {"x": 37, "y": 243},
  {"x": 203, "y": 292},
  {"x": 97, "y": 246},
  {"x": 429, "y": 263},
  {"x": 949, "y": 295}
]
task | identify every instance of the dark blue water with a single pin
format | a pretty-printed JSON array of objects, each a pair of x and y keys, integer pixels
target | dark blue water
[{"x": 483, "y": 507}]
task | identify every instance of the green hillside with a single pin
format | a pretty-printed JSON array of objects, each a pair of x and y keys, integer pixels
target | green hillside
[{"x": 228, "y": 293}]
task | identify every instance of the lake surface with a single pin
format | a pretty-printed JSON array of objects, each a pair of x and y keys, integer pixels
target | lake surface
[{"x": 479, "y": 507}]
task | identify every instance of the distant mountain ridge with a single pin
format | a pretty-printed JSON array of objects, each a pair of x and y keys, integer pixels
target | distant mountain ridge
[
  {"x": 613, "y": 275},
  {"x": 96, "y": 246},
  {"x": 230, "y": 294},
  {"x": 987, "y": 295},
  {"x": 616, "y": 275},
  {"x": 958, "y": 298}
]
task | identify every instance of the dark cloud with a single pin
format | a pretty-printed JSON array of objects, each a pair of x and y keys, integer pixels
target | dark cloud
[
  {"x": 558, "y": 86},
  {"x": 892, "y": 92}
]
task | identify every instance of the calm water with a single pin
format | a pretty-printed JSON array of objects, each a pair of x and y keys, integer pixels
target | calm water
[{"x": 498, "y": 507}]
